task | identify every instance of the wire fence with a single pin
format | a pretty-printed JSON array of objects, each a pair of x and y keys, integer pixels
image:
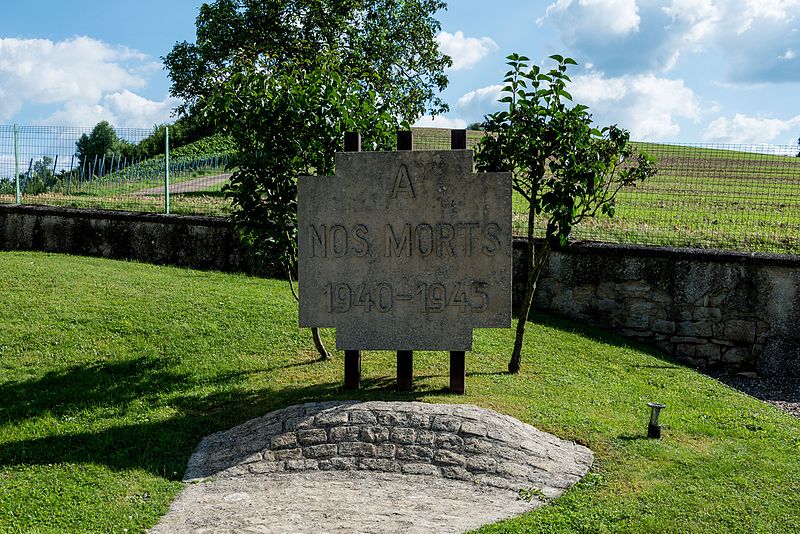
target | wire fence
[
  {"x": 734, "y": 197},
  {"x": 44, "y": 165},
  {"x": 730, "y": 197}
]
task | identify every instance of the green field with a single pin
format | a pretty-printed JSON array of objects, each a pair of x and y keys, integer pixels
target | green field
[
  {"x": 111, "y": 373},
  {"x": 700, "y": 197}
]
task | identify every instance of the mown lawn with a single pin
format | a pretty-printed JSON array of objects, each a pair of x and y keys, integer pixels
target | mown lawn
[{"x": 111, "y": 373}]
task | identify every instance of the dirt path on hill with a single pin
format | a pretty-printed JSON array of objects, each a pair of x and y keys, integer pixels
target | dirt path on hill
[{"x": 189, "y": 186}]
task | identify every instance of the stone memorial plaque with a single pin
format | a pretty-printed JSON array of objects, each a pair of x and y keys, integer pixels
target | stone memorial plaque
[{"x": 405, "y": 250}]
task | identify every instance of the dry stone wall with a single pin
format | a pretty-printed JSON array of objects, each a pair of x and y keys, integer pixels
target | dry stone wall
[
  {"x": 710, "y": 309},
  {"x": 458, "y": 442}
]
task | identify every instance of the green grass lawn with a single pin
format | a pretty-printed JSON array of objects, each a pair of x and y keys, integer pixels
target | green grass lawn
[{"x": 112, "y": 372}]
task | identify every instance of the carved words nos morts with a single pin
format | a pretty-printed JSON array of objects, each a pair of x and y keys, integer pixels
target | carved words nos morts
[{"x": 405, "y": 250}]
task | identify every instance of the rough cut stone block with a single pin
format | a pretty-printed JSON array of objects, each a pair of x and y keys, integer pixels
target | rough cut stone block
[
  {"x": 736, "y": 355},
  {"x": 332, "y": 417},
  {"x": 320, "y": 451},
  {"x": 392, "y": 418},
  {"x": 379, "y": 464},
  {"x": 385, "y": 450},
  {"x": 413, "y": 453},
  {"x": 708, "y": 314},
  {"x": 481, "y": 463},
  {"x": 449, "y": 441},
  {"x": 446, "y": 423},
  {"x": 403, "y": 435},
  {"x": 301, "y": 465},
  {"x": 344, "y": 433},
  {"x": 449, "y": 458},
  {"x": 356, "y": 448},
  {"x": 293, "y": 423},
  {"x": 288, "y": 454},
  {"x": 740, "y": 331},
  {"x": 695, "y": 329},
  {"x": 425, "y": 437},
  {"x": 373, "y": 434},
  {"x": 477, "y": 446},
  {"x": 362, "y": 417},
  {"x": 312, "y": 436},
  {"x": 284, "y": 441},
  {"x": 339, "y": 463},
  {"x": 471, "y": 428},
  {"x": 507, "y": 453}
]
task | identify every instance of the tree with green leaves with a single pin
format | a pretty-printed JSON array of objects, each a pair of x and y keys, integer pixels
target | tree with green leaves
[
  {"x": 102, "y": 142},
  {"x": 387, "y": 47},
  {"x": 287, "y": 78},
  {"x": 566, "y": 169}
]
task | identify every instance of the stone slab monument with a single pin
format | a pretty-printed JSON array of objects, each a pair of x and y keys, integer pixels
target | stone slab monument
[{"x": 405, "y": 250}]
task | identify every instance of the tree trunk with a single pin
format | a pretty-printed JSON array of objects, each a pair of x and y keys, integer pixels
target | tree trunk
[
  {"x": 535, "y": 263},
  {"x": 323, "y": 352}
]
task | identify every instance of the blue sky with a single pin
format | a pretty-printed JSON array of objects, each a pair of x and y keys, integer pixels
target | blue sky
[{"x": 716, "y": 71}]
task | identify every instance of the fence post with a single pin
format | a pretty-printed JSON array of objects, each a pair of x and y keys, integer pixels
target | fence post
[
  {"x": 166, "y": 170},
  {"x": 16, "y": 164}
]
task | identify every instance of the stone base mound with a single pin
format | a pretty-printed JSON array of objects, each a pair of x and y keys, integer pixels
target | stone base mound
[
  {"x": 448, "y": 440},
  {"x": 372, "y": 467}
]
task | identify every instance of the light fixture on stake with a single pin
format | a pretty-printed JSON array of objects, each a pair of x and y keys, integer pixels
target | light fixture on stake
[{"x": 653, "y": 428}]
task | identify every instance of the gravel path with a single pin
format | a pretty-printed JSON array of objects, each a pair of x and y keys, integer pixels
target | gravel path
[{"x": 783, "y": 393}]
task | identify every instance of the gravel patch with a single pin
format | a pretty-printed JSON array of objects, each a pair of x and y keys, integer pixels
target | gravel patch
[{"x": 783, "y": 393}]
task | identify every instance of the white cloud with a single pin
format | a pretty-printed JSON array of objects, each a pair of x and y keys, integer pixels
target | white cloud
[
  {"x": 608, "y": 17},
  {"x": 478, "y": 97},
  {"x": 649, "y": 106},
  {"x": 752, "y": 36},
  {"x": 742, "y": 129},
  {"x": 465, "y": 51},
  {"x": 440, "y": 121},
  {"x": 592, "y": 89},
  {"x": 124, "y": 109},
  {"x": 88, "y": 80}
]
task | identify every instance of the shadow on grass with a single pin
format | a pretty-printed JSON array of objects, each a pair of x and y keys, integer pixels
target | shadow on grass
[
  {"x": 604, "y": 336},
  {"x": 158, "y": 447}
]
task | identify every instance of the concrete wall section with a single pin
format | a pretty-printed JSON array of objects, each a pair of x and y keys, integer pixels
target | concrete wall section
[
  {"x": 198, "y": 242},
  {"x": 710, "y": 309}
]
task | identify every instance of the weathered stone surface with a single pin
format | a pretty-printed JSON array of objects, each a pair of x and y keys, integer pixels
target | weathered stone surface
[
  {"x": 312, "y": 436},
  {"x": 342, "y": 502},
  {"x": 405, "y": 250},
  {"x": 740, "y": 331},
  {"x": 464, "y": 442}
]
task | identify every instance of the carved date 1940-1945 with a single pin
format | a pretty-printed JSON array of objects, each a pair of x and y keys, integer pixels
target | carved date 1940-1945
[{"x": 381, "y": 297}]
